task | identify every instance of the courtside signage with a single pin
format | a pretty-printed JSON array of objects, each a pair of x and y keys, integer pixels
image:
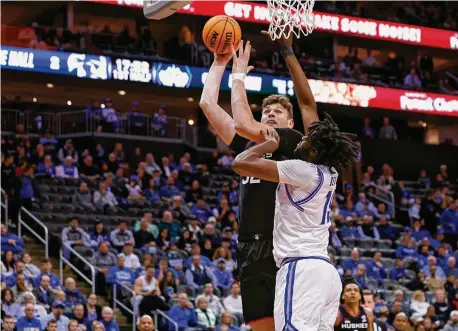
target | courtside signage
[
  {"x": 183, "y": 76},
  {"x": 332, "y": 23}
]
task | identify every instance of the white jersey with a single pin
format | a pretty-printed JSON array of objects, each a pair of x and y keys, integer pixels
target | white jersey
[{"x": 302, "y": 210}]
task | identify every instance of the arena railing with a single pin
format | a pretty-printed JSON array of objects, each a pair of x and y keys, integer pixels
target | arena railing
[
  {"x": 386, "y": 196},
  {"x": 4, "y": 205},
  {"x": 164, "y": 315},
  {"x": 31, "y": 218},
  {"x": 117, "y": 302},
  {"x": 77, "y": 255}
]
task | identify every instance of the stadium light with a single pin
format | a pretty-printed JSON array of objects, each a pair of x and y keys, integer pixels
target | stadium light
[
  {"x": 69, "y": 103},
  {"x": 191, "y": 121},
  {"x": 49, "y": 85},
  {"x": 102, "y": 106},
  {"x": 122, "y": 92},
  {"x": 34, "y": 99},
  {"x": 190, "y": 99}
]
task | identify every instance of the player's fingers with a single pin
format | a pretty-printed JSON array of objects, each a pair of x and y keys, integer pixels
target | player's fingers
[
  {"x": 234, "y": 54},
  {"x": 247, "y": 49},
  {"x": 241, "y": 48},
  {"x": 265, "y": 33},
  {"x": 249, "y": 69}
]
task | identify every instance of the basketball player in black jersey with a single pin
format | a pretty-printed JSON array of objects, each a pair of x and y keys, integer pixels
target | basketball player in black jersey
[
  {"x": 256, "y": 265},
  {"x": 352, "y": 315}
]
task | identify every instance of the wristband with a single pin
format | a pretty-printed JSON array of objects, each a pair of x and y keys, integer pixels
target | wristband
[
  {"x": 286, "y": 51},
  {"x": 238, "y": 76}
]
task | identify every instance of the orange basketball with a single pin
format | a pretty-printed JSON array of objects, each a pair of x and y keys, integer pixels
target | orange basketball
[{"x": 220, "y": 32}]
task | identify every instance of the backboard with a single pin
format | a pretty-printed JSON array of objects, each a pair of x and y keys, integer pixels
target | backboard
[{"x": 159, "y": 9}]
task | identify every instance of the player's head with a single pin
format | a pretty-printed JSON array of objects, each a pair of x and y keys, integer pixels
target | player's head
[
  {"x": 277, "y": 112},
  {"x": 351, "y": 292},
  {"x": 369, "y": 301},
  {"x": 325, "y": 144}
]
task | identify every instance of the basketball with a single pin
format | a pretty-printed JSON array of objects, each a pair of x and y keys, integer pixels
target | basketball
[{"x": 220, "y": 32}]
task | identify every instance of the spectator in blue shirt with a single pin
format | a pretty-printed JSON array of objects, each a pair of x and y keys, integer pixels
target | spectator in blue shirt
[
  {"x": 375, "y": 268},
  {"x": 432, "y": 262},
  {"x": 160, "y": 122},
  {"x": 201, "y": 210},
  {"x": 411, "y": 80},
  {"x": 151, "y": 194},
  {"x": 11, "y": 242},
  {"x": 449, "y": 218},
  {"x": 107, "y": 319},
  {"x": 451, "y": 268},
  {"x": 223, "y": 276},
  {"x": 442, "y": 257},
  {"x": 418, "y": 231},
  {"x": 29, "y": 322},
  {"x": 170, "y": 189},
  {"x": 27, "y": 192},
  {"x": 353, "y": 262},
  {"x": 348, "y": 210},
  {"x": 362, "y": 201},
  {"x": 422, "y": 258},
  {"x": 424, "y": 179},
  {"x": 48, "y": 139},
  {"x": 381, "y": 211},
  {"x": 368, "y": 132},
  {"x": 438, "y": 238},
  {"x": 72, "y": 294},
  {"x": 385, "y": 230},
  {"x": 47, "y": 270},
  {"x": 366, "y": 211},
  {"x": 350, "y": 229},
  {"x": 46, "y": 167},
  {"x": 120, "y": 274},
  {"x": 183, "y": 314},
  {"x": 404, "y": 250},
  {"x": 361, "y": 275},
  {"x": 399, "y": 271}
]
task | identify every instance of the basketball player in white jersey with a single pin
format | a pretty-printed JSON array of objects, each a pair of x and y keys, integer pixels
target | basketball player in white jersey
[{"x": 308, "y": 286}]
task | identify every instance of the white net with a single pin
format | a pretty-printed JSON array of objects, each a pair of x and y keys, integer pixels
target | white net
[{"x": 291, "y": 16}]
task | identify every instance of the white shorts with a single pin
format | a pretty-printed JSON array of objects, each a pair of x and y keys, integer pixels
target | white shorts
[{"x": 307, "y": 295}]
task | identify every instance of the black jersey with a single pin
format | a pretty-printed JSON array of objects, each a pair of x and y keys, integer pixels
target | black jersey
[
  {"x": 257, "y": 197},
  {"x": 352, "y": 323}
]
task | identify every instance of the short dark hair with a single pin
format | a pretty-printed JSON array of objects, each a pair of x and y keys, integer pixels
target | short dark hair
[
  {"x": 334, "y": 148},
  {"x": 52, "y": 322},
  {"x": 350, "y": 281},
  {"x": 280, "y": 99},
  {"x": 8, "y": 317}
]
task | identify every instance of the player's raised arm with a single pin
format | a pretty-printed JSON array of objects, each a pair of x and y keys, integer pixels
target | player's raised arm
[
  {"x": 302, "y": 88},
  {"x": 217, "y": 116},
  {"x": 245, "y": 124}
]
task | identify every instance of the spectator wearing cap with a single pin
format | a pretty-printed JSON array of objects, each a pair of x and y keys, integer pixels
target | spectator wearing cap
[
  {"x": 58, "y": 316},
  {"x": 160, "y": 122},
  {"x": 353, "y": 262},
  {"x": 170, "y": 189},
  {"x": 438, "y": 238},
  {"x": 449, "y": 218},
  {"x": 73, "y": 236},
  {"x": 131, "y": 260},
  {"x": 68, "y": 150},
  {"x": 224, "y": 253},
  {"x": 109, "y": 117},
  {"x": 47, "y": 167},
  {"x": 11, "y": 242},
  {"x": 120, "y": 274},
  {"x": 88, "y": 170},
  {"x": 201, "y": 210},
  {"x": 72, "y": 294},
  {"x": 452, "y": 324},
  {"x": 121, "y": 236},
  {"x": 198, "y": 274},
  {"x": 136, "y": 119},
  {"x": 68, "y": 169},
  {"x": 405, "y": 250},
  {"x": 29, "y": 321},
  {"x": 223, "y": 275},
  {"x": 103, "y": 260}
]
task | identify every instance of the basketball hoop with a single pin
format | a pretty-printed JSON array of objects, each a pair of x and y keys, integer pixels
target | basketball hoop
[{"x": 291, "y": 16}]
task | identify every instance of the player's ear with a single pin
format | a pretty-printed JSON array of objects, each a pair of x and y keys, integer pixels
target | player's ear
[{"x": 290, "y": 123}]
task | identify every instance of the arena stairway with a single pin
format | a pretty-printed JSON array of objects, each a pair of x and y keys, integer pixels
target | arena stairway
[{"x": 37, "y": 252}]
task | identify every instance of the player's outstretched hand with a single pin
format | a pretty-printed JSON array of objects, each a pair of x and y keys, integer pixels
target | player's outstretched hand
[
  {"x": 241, "y": 60},
  {"x": 282, "y": 41},
  {"x": 222, "y": 59},
  {"x": 271, "y": 137}
]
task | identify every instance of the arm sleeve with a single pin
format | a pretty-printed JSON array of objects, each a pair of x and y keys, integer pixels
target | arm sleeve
[{"x": 296, "y": 172}]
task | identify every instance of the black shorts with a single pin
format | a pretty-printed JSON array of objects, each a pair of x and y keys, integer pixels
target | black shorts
[{"x": 257, "y": 271}]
